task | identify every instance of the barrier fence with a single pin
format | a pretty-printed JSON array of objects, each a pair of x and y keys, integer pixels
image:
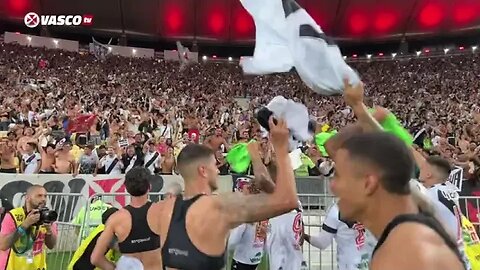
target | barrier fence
[{"x": 315, "y": 206}]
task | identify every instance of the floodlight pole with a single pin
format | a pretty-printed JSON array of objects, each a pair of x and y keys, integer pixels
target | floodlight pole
[{"x": 123, "y": 36}]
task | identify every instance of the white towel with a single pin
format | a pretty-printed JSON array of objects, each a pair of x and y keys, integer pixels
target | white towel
[
  {"x": 129, "y": 263},
  {"x": 286, "y": 37}
]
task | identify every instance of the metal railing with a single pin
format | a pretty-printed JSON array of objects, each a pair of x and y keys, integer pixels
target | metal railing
[{"x": 314, "y": 205}]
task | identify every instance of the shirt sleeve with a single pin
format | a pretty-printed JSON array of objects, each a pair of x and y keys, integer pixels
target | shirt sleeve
[
  {"x": 322, "y": 240},
  {"x": 8, "y": 225},
  {"x": 235, "y": 236},
  {"x": 331, "y": 222}
]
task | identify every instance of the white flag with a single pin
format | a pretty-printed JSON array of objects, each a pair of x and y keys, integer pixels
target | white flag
[
  {"x": 286, "y": 37},
  {"x": 100, "y": 50},
  {"x": 183, "y": 55}
]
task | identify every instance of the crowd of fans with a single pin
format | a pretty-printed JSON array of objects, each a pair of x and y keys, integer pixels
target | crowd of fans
[{"x": 64, "y": 112}]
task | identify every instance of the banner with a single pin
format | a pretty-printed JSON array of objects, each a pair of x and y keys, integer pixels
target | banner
[
  {"x": 456, "y": 177},
  {"x": 15, "y": 186}
]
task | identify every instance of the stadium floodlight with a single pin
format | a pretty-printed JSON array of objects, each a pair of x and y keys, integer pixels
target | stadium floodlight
[
  {"x": 344, "y": 57},
  {"x": 474, "y": 48},
  {"x": 369, "y": 56},
  {"x": 419, "y": 52},
  {"x": 109, "y": 49},
  {"x": 29, "y": 38},
  {"x": 446, "y": 50},
  {"x": 134, "y": 51},
  {"x": 204, "y": 57},
  {"x": 55, "y": 41},
  {"x": 394, "y": 54},
  {"x": 230, "y": 58}
]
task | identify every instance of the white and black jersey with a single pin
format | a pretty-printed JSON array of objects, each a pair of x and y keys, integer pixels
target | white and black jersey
[
  {"x": 248, "y": 242},
  {"x": 355, "y": 244},
  {"x": 284, "y": 241},
  {"x": 445, "y": 199}
]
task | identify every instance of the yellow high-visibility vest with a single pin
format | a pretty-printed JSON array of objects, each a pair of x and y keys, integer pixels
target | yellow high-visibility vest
[
  {"x": 111, "y": 255},
  {"x": 471, "y": 242},
  {"x": 20, "y": 261}
]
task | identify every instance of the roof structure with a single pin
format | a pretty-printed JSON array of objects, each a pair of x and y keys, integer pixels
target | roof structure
[{"x": 226, "y": 22}]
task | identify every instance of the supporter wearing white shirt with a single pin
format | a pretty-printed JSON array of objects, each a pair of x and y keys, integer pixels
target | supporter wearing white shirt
[
  {"x": 354, "y": 243},
  {"x": 112, "y": 164},
  {"x": 434, "y": 173},
  {"x": 166, "y": 130},
  {"x": 247, "y": 240},
  {"x": 152, "y": 159},
  {"x": 31, "y": 160},
  {"x": 284, "y": 241}
]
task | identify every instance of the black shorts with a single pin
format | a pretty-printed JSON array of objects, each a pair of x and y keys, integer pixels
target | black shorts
[
  {"x": 241, "y": 266},
  {"x": 42, "y": 172},
  {"x": 12, "y": 170}
]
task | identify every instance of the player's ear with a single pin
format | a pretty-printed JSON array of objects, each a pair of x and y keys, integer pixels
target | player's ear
[{"x": 371, "y": 184}]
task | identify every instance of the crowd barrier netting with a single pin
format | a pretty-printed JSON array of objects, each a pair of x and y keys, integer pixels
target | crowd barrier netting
[{"x": 80, "y": 191}]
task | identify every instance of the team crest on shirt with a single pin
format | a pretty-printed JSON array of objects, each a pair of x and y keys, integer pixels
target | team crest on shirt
[
  {"x": 261, "y": 230},
  {"x": 360, "y": 237},
  {"x": 298, "y": 230}
]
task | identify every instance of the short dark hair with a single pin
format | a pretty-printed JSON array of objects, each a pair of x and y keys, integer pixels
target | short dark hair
[
  {"x": 441, "y": 164},
  {"x": 137, "y": 181},
  {"x": 192, "y": 153},
  {"x": 388, "y": 154}
]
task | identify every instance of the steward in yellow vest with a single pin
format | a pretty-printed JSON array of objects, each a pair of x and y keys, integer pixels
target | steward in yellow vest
[
  {"x": 472, "y": 243},
  {"x": 25, "y": 234},
  {"x": 81, "y": 258}
]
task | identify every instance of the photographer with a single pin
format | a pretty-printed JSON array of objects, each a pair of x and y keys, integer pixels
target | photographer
[{"x": 25, "y": 231}]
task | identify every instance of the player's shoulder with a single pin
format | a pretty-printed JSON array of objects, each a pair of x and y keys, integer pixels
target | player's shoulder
[{"x": 424, "y": 245}]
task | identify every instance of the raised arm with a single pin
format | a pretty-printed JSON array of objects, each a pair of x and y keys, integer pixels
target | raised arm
[
  {"x": 353, "y": 95},
  {"x": 262, "y": 179},
  {"x": 236, "y": 209}
]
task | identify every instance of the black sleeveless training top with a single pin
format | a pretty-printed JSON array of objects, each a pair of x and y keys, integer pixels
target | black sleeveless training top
[
  {"x": 424, "y": 219},
  {"x": 141, "y": 238},
  {"x": 178, "y": 251}
]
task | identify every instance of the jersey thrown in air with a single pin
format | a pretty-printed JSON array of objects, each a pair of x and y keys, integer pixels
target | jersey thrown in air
[
  {"x": 248, "y": 242},
  {"x": 283, "y": 241},
  {"x": 445, "y": 198},
  {"x": 355, "y": 244}
]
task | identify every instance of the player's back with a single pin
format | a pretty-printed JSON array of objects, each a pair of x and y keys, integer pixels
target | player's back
[{"x": 429, "y": 248}]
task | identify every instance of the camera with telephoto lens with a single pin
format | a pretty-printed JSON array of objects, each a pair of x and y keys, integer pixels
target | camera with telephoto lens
[{"x": 47, "y": 215}]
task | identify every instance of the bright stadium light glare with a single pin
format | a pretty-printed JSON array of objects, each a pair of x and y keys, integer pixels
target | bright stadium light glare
[
  {"x": 394, "y": 54},
  {"x": 109, "y": 49},
  {"x": 474, "y": 48},
  {"x": 204, "y": 57},
  {"x": 344, "y": 57},
  {"x": 446, "y": 50},
  {"x": 418, "y": 53},
  {"x": 369, "y": 56},
  {"x": 230, "y": 58},
  {"x": 134, "y": 51},
  {"x": 55, "y": 41},
  {"x": 29, "y": 38}
]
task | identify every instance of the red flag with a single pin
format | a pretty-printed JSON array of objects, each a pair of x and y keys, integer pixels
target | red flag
[{"x": 81, "y": 123}]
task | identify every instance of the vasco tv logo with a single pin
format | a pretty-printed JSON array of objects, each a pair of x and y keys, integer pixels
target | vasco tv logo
[{"x": 32, "y": 20}]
